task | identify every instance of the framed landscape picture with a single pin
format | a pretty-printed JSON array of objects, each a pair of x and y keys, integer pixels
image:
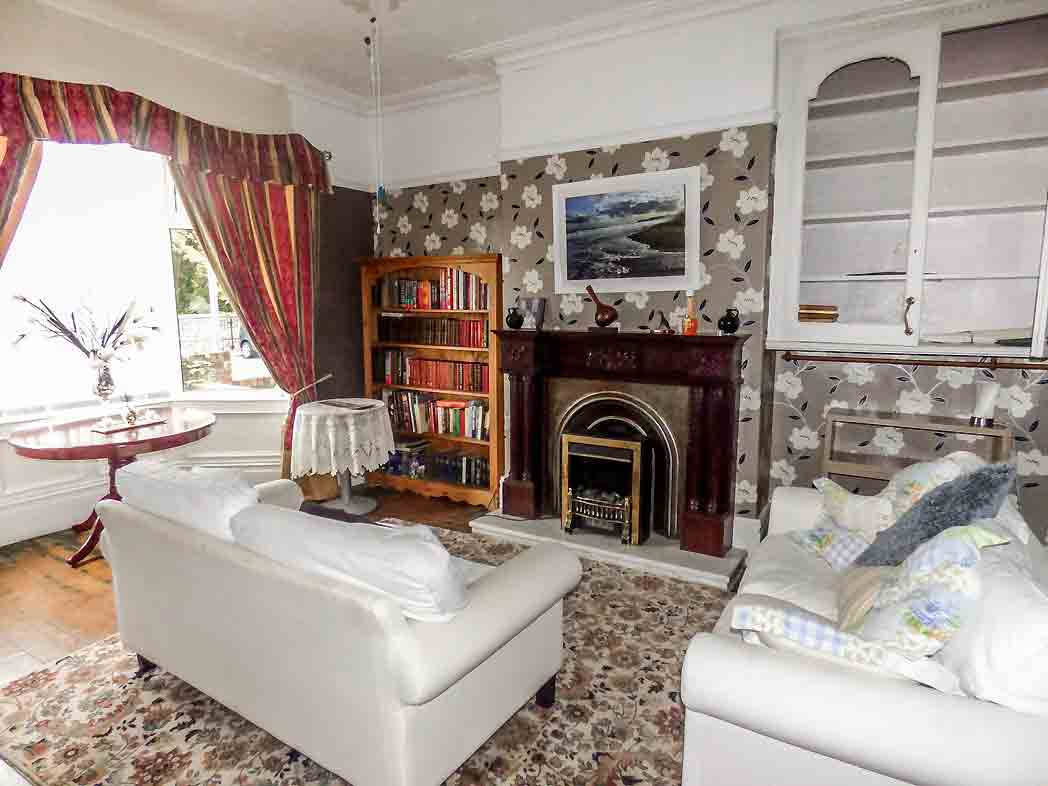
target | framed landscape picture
[{"x": 628, "y": 234}]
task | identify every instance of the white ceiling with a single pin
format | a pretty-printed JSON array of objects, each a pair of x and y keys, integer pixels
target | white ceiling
[{"x": 319, "y": 43}]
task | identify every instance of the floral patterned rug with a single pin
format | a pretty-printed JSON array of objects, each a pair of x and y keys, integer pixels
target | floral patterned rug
[{"x": 618, "y": 719}]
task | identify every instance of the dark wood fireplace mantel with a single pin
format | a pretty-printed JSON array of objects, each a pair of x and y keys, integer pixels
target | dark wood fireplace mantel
[{"x": 710, "y": 366}]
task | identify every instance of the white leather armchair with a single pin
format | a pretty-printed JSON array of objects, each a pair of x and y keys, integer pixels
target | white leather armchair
[{"x": 334, "y": 671}]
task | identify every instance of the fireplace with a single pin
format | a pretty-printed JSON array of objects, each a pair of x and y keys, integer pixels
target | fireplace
[
  {"x": 693, "y": 479},
  {"x": 605, "y": 484}
]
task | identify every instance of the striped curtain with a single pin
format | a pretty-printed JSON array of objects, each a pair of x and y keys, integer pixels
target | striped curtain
[
  {"x": 261, "y": 240},
  {"x": 252, "y": 199},
  {"x": 34, "y": 110}
]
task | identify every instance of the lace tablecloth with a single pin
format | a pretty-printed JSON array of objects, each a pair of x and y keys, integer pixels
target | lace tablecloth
[{"x": 330, "y": 439}]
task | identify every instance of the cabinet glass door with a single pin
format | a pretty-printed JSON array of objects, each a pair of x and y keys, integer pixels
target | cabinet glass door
[{"x": 860, "y": 129}]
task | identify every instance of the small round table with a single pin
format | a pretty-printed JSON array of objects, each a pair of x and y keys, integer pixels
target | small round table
[
  {"x": 345, "y": 437},
  {"x": 75, "y": 441}
]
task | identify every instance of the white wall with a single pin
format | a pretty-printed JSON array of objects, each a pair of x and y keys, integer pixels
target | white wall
[
  {"x": 431, "y": 141},
  {"x": 39, "y": 497},
  {"x": 38, "y": 40},
  {"x": 342, "y": 129}
]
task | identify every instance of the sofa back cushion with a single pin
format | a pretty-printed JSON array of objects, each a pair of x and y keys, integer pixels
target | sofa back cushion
[
  {"x": 408, "y": 564},
  {"x": 203, "y": 498}
]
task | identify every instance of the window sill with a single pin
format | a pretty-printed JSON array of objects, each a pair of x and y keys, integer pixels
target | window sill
[{"x": 247, "y": 402}]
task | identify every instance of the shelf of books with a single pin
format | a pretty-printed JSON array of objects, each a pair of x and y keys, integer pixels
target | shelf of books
[{"x": 431, "y": 355}]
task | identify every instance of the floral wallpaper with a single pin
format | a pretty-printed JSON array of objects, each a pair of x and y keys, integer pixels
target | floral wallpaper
[
  {"x": 804, "y": 391},
  {"x": 513, "y": 213},
  {"x": 440, "y": 219}
]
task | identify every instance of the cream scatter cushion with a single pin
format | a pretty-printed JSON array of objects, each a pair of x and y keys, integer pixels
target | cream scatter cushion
[
  {"x": 926, "y": 599},
  {"x": 910, "y": 484},
  {"x": 864, "y": 514},
  {"x": 856, "y": 593},
  {"x": 202, "y": 498},
  {"x": 409, "y": 565}
]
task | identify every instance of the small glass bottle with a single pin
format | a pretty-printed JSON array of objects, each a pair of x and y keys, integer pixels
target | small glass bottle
[{"x": 690, "y": 324}]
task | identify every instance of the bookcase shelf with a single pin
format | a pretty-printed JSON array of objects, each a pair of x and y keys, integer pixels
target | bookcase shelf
[{"x": 381, "y": 299}]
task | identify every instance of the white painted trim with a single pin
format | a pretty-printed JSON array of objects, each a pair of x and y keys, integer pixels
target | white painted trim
[
  {"x": 36, "y": 517},
  {"x": 642, "y": 134},
  {"x": 236, "y": 459},
  {"x": 56, "y": 489},
  {"x": 356, "y": 185},
  {"x": 446, "y": 177},
  {"x": 518, "y": 52}
]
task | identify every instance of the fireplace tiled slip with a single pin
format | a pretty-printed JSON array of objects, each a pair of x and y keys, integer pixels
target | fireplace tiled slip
[{"x": 709, "y": 366}]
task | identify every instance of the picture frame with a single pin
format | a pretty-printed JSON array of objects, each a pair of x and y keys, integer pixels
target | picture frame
[{"x": 632, "y": 233}]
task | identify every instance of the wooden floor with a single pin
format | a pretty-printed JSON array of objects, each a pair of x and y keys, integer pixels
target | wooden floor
[{"x": 48, "y": 609}]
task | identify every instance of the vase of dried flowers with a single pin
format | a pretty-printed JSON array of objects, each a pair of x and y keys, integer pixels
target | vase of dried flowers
[{"x": 100, "y": 343}]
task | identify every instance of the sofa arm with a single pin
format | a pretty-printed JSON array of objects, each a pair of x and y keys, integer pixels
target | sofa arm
[
  {"x": 793, "y": 508},
  {"x": 282, "y": 493},
  {"x": 436, "y": 655},
  {"x": 896, "y": 728}
]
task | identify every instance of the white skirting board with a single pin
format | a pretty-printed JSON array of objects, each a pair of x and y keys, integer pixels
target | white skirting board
[{"x": 659, "y": 555}]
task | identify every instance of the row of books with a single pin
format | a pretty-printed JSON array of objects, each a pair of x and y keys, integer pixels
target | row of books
[
  {"x": 403, "y": 368},
  {"x": 425, "y": 413},
  {"x": 439, "y": 331},
  {"x": 452, "y": 289},
  {"x": 462, "y": 468},
  {"x": 420, "y": 460}
]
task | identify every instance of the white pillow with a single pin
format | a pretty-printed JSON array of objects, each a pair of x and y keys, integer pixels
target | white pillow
[
  {"x": 1000, "y": 654},
  {"x": 407, "y": 564},
  {"x": 863, "y": 514},
  {"x": 203, "y": 498}
]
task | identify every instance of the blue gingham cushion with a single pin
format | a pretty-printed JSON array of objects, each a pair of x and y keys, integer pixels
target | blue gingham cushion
[{"x": 840, "y": 547}]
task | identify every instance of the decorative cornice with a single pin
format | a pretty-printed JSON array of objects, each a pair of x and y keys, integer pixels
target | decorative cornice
[
  {"x": 949, "y": 13},
  {"x": 520, "y": 51},
  {"x": 641, "y": 134}
]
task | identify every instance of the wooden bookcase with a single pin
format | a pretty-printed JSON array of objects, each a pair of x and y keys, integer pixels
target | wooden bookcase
[{"x": 376, "y": 273}]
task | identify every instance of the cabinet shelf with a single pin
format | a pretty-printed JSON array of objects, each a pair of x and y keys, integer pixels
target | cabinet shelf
[
  {"x": 441, "y": 347},
  {"x": 833, "y": 279},
  {"x": 445, "y": 437},
  {"x": 954, "y": 211},
  {"x": 958, "y": 148},
  {"x": 457, "y": 492},
  {"x": 958, "y": 90},
  {"x": 426, "y": 312},
  {"x": 420, "y": 389}
]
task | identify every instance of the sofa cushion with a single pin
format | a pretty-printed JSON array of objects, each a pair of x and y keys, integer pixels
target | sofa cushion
[
  {"x": 910, "y": 484},
  {"x": 779, "y": 568},
  {"x": 975, "y": 495},
  {"x": 408, "y": 564},
  {"x": 1001, "y": 653},
  {"x": 866, "y": 515},
  {"x": 837, "y": 545},
  {"x": 202, "y": 498},
  {"x": 925, "y": 601},
  {"x": 856, "y": 592},
  {"x": 785, "y": 627}
]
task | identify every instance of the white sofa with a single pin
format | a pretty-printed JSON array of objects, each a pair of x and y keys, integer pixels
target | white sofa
[
  {"x": 338, "y": 673},
  {"x": 757, "y": 716}
]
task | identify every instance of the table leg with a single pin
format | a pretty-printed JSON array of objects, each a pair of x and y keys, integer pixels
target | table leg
[
  {"x": 350, "y": 502},
  {"x": 94, "y": 522}
]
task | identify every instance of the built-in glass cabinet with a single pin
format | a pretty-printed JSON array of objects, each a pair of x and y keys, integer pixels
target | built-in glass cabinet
[{"x": 912, "y": 182}]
